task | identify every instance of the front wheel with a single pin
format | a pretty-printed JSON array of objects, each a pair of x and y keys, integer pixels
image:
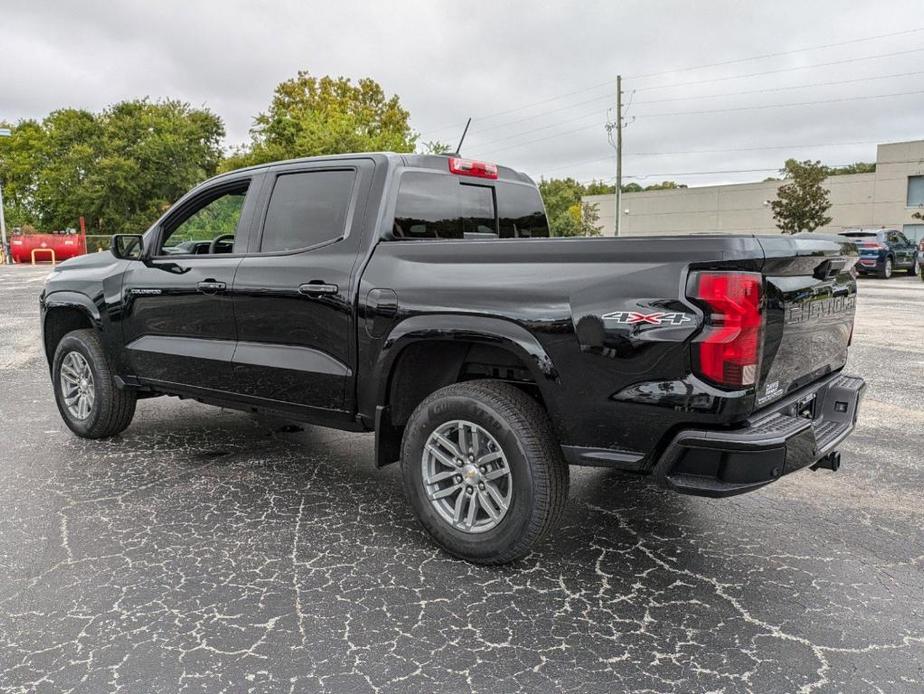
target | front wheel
[
  {"x": 915, "y": 268},
  {"x": 483, "y": 470},
  {"x": 85, "y": 390}
]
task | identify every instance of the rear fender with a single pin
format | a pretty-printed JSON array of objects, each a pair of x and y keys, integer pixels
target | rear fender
[{"x": 496, "y": 332}]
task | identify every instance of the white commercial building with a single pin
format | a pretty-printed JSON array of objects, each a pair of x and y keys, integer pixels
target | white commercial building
[{"x": 887, "y": 198}]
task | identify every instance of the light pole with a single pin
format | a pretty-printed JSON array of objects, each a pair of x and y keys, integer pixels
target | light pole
[{"x": 4, "y": 132}]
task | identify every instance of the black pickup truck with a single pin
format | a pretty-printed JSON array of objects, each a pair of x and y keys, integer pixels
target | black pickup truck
[{"x": 420, "y": 297}]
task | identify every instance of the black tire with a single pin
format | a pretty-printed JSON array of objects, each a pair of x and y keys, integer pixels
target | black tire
[
  {"x": 538, "y": 472},
  {"x": 112, "y": 409},
  {"x": 915, "y": 268},
  {"x": 887, "y": 267}
]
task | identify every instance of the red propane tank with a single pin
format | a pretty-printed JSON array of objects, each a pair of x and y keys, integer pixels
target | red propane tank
[{"x": 64, "y": 246}]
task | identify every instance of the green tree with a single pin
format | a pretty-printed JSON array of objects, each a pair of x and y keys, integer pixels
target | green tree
[
  {"x": 559, "y": 196},
  {"x": 586, "y": 216},
  {"x": 119, "y": 169},
  {"x": 802, "y": 202},
  {"x": 436, "y": 147},
  {"x": 600, "y": 188},
  {"x": 568, "y": 215},
  {"x": 632, "y": 188},
  {"x": 855, "y": 168},
  {"x": 310, "y": 116},
  {"x": 666, "y": 185}
]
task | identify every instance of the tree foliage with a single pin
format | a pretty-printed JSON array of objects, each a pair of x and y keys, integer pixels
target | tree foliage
[
  {"x": 311, "y": 116},
  {"x": 567, "y": 215},
  {"x": 802, "y": 202},
  {"x": 666, "y": 185},
  {"x": 119, "y": 168},
  {"x": 855, "y": 168},
  {"x": 436, "y": 147}
]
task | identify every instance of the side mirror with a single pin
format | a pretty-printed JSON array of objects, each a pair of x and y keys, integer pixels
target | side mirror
[{"x": 127, "y": 246}]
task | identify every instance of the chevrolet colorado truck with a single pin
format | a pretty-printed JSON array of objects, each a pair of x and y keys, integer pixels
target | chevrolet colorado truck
[{"x": 420, "y": 297}]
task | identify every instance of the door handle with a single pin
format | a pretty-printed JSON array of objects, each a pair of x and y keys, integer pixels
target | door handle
[
  {"x": 211, "y": 287},
  {"x": 317, "y": 288}
]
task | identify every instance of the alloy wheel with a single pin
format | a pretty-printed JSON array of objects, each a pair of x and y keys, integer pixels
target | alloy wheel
[
  {"x": 466, "y": 476},
  {"x": 77, "y": 386}
]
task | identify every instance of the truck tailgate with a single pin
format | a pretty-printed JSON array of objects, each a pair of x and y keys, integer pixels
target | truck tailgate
[{"x": 811, "y": 301}]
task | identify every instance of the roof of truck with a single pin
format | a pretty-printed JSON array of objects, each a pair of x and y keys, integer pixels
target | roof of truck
[{"x": 438, "y": 162}]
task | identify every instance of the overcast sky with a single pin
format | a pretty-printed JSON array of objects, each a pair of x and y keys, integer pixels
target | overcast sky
[{"x": 536, "y": 77}]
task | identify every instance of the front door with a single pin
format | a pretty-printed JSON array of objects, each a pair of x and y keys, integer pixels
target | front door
[
  {"x": 178, "y": 321},
  {"x": 292, "y": 293},
  {"x": 905, "y": 251}
]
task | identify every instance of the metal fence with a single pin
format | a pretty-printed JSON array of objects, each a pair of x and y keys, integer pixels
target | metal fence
[{"x": 98, "y": 242}]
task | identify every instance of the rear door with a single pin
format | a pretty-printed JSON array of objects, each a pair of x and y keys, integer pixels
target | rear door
[
  {"x": 293, "y": 300},
  {"x": 811, "y": 300},
  {"x": 178, "y": 323}
]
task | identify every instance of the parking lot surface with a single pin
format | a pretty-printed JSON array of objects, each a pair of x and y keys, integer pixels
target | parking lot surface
[{"x": 205, "y": 550}]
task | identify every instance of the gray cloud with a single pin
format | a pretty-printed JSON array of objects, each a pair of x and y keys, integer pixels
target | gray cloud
[{"x": 449, "y": 61}]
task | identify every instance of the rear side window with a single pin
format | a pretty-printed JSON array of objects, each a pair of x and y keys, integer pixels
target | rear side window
[
  {"x": 306, "y": 209},
  {"x": 434, "y": 206},
  {"x": 522, "y": 214},
  {"x": 439, "y": 206}
]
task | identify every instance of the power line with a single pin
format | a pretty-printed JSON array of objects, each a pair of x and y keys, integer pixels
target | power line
[
  {"x": 786, "y": 69},
  {"x": 797, "y": 103},
  {"x": 777, "y": 89},
  {"x": 778, "y": 54},
  {"x": 682, "y": 113},
  {"x": 775, "y": 168},
  {"x": 608, "y": 97},
  {"x": 714, "y": 210},
  {"x": 697, "y": 67},
  {"x": 535, "y": 130},
  {"x": 712, "y": 151}
]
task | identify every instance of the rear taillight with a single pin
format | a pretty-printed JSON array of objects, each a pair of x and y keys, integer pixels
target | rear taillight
[
  {"x": 728, "y": 350},
  {"x": 469, "y": 167}
]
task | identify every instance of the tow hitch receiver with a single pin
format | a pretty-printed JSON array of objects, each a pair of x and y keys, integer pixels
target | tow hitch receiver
[{"x": 831, "y": 462}]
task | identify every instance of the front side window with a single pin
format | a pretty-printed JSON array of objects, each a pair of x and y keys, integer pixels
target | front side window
[
  {"x": 306, "y": 209},
  {"x": 209, "y": 227}
]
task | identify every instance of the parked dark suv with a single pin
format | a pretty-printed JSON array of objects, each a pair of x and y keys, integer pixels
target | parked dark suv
[{"x": 882, "y": 251}]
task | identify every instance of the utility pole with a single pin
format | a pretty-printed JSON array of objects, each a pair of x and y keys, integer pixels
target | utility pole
[{"x": 617, "y": 219}]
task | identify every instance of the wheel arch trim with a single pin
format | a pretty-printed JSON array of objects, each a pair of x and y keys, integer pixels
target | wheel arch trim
[
  {"x": 70, "y": 300},
  {"x": 497, "y": 332}
]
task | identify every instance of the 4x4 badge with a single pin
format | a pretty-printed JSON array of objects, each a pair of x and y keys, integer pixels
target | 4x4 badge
[{"x": 634, "y": 317}]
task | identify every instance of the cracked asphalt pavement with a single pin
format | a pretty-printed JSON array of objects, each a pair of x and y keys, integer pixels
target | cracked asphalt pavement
[{"x": 205, "y": 550}]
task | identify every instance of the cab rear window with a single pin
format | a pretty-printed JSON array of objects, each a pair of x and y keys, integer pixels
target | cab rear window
[{"x": 440, "y": 206}]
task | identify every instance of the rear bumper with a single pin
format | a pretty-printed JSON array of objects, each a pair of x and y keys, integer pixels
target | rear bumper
[
  {"x": 776, "y": 441},
  {"x": 866, "y": 265}
]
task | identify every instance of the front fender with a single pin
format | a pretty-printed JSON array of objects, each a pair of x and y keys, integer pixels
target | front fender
[{"x": 71, "y": 299}]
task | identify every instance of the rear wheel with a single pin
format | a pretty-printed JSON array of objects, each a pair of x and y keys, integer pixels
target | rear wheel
[
  {"x": 85, "y": 391},
  {"x": 483, "y": 471},
  {"x": 886, "y": 271}
]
